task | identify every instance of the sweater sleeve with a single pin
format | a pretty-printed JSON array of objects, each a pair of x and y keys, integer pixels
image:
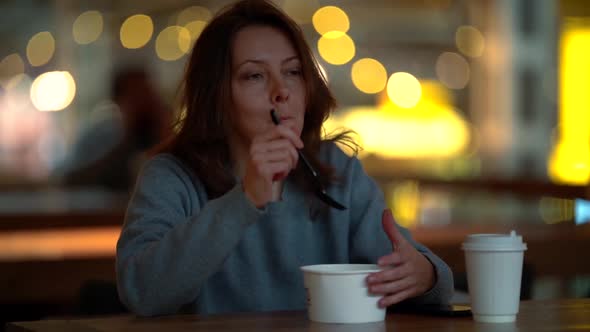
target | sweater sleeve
[
  {"x": 173, "y": 239},
  {"x": 369, "y": 241}
]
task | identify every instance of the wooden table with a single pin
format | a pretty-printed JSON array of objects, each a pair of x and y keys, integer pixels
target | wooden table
[{"x": 550, "y": 315}]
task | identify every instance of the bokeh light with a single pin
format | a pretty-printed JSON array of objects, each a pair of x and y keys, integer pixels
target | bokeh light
[
  {"x": 40, "y": 48},
  {"x": 453, "y": 70},
  {"x": 431, "y": 129},
  {"x": 11, "y": 66},
  {"x": 569, "y": 161},
  {"x": 330, "y": 19},
  {"x": 470, "y": 41},
  {"x": 404, "y": 89},
  {"x": 336, "y": 48},
  {"x": 195, "y": 28},
  {"x": 554, "y": 210},
  {"x": 136, "y": 31},
  {"x": 194, "y": 19},
  {"x": 88, "y": 27},
  {"x": 581, "y": 211},
  {"x": 172, "y": 43},
  {"x": 53, "y": 91},
  {"x": 405, "y": 203},
  {"x": 369, "y": 75},
  {"x": 193, "y": 13}
]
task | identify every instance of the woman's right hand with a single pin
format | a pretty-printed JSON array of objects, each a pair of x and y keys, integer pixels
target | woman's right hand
[{"x": 272, "y": 156}]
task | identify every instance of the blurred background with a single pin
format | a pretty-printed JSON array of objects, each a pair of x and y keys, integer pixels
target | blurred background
[{"x": 474, "y": 116}]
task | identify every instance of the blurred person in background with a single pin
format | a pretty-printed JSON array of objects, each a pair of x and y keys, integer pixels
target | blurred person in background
[{"x": 109, "y": 150}]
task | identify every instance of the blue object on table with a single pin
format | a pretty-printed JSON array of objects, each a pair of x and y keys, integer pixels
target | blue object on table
[{"x": 582, "y": 211}]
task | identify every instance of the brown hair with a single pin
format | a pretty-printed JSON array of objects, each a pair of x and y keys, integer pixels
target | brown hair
[{"x": 201, "y": 141}]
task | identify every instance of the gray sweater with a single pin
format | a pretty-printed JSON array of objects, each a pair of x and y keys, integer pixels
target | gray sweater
[{"x": 179, "y": 251}]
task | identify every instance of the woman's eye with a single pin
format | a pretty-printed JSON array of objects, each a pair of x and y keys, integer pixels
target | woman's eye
[
  {"x": 295, "y": 72},
  {"x": 254, "y": 76}
]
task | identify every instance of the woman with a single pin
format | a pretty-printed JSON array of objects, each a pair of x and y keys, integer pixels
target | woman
[{"x": 223, "y": 219}]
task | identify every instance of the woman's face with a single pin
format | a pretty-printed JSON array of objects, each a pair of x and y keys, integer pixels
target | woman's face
[{"x": 266, "y": 74}]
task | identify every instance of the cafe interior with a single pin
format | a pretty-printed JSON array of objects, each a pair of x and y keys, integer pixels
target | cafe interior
[{"x": 473, "y": 117}]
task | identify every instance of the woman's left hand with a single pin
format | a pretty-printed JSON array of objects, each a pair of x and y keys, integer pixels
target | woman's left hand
[{"x": 408, "y": 273}]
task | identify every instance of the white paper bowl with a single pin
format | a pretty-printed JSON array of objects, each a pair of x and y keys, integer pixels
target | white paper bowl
[{"x": 338, "y": 293}]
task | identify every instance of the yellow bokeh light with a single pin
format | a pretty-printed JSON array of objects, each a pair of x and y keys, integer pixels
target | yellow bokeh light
[
  {"x": 555, "y": 210},
  {"x": 195, "y": 28},
  {"x": 470, "y": 41},
  {"x": 329, "y": 19},
  {"x": 87, "y": 27},
  {"x": 431, "y": 129},
  {"x": 11, "y": 66},
  {"x": 404, "y": 89},
  {"x": 53, "y": 91},
  {"x": 453, "y": 70},
  {"x": 40, "y": 48},
  {"x": 301, "y": 11},
  {"x": 172, "y": 43},
  {"x": 336, "y": 48},
  {"x": 193, "y": 13},
  {"x": 369, "y": 75},
  {"x": 569, "y": 161},
  {"x": 405, "y": 203},
  {"x": 136, "y": 31}
]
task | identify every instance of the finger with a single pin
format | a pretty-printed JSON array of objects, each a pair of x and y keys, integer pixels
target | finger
[
  {"x": 391, "y": 259},
  {"x": 272, "y": 168},
  {"x": 275, "y": 144},
  {"x": 388, "y": 288},
  {"x": 288, "y": 133},
  {"x": 285, "y": 145},
  {"x": 266, "y": 167},
  {"x": 388, "y": 275},
  {"x": 279, "y": 176},
  {"x": 276, "y": 155},
  {"x": 388, "y": 223},
  {"x": 287, "y": 153},
  {"x": 267, "y": 136},
  {"x": 277, "y": 132},
  {"x": 395, "y": 298}
]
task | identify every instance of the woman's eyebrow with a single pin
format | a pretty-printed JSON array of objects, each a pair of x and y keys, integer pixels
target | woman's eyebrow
[
  {"x": 260, "y": 61},
  {"x": 256, "y": 61},
  {"x": 291, "y": 58}
]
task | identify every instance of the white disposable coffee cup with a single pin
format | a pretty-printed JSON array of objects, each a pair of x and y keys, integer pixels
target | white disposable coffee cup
[
  {"x": 338, "y": 293},
  {"x": 494, "y": 271}
]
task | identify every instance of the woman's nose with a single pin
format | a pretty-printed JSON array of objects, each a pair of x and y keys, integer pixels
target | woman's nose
[{"x": 280, "y": 92}]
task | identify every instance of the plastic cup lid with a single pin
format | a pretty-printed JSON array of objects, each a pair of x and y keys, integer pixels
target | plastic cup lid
[
  {"x": 341, "y": 268},
  {"x": 494, "y": 242}
]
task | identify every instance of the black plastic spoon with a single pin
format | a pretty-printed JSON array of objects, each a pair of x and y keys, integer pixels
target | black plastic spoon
[{"x": 319, "y": 189}]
